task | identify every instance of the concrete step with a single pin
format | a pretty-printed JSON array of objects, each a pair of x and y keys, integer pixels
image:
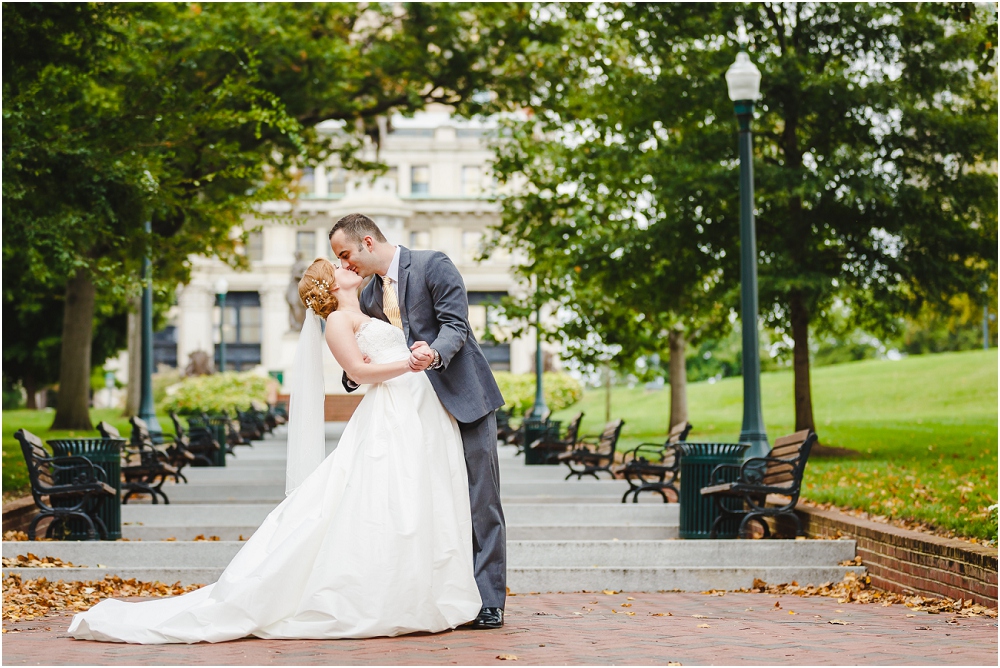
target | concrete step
[
  {"x": 516, "y": 513},
  {"x": 721, "y": 554},
  {"x": 274, "y": 472},
  {"x": 235, "y": 491},
  {"x": 522, "y": 580},
  {"x": 549, "y": 521},
  {"x": 514, "y": 532}
]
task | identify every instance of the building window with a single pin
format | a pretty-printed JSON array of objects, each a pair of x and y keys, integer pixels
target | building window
[
  {"x": 305, "y": 243},
  {"x": 472, "y": 177},
  {"x": 420, "y": 240},
  {"x": 165, "y": 347},
  {"x": 241, "y": 329},
  {"x": 336, "y": 181},
  {"x": 420, "y": 180},
  {"x": 307, "y": 181},
  {"x": 255, "y": 246}
]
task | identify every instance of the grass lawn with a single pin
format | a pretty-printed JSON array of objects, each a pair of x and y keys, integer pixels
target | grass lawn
[
  {"x": 924, "y": 430},
  {"x": 15, "y": 474}
]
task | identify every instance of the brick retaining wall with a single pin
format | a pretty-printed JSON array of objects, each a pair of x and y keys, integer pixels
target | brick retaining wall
[
  {"x": 337, "y": 407},
  {"x": 909, "y": 562}
]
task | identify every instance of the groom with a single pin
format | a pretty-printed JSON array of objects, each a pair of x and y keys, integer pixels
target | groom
[{"x": 422, "y": 293}]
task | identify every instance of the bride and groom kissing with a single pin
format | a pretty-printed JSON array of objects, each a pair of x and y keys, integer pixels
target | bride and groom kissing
[{"x": 401, "y": 528}]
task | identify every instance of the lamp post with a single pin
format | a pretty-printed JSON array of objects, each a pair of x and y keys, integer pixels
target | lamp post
[
  {"x": 539, "y": 409},
  {"x": 146, "y": 409},
  {"x": 221, "y": 288},
  {"x": 743, "y": 80}
]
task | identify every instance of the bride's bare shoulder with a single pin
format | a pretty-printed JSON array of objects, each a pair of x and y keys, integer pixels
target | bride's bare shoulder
[{"x": 347, "y": 320}]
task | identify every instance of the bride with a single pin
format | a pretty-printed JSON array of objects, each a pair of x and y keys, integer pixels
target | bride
[{"x": 374, "y": 540}]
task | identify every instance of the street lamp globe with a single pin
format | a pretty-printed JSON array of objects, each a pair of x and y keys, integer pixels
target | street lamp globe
[
  {"x": 743, "y": 79},
  {"x": 221, "y": 286}
]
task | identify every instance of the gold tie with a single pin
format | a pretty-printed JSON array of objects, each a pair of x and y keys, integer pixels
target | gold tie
[{"x": 390, "y": 303}]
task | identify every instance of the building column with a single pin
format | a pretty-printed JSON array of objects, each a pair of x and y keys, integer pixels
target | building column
[
  {"x": 194, "y": 322},
  {"x": 274, "y": 325}
]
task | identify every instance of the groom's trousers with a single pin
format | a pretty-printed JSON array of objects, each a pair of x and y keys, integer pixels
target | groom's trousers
[{"x": 489, "y": 532}]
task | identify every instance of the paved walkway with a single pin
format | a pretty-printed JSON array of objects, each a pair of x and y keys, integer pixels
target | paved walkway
[{"x": 591, "y": 629}]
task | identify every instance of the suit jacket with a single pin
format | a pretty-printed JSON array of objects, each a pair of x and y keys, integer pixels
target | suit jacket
[{"x": 434, "y": 307}]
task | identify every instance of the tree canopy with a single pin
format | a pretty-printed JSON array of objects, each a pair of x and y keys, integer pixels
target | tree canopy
[{"x": 875, "y": 145}]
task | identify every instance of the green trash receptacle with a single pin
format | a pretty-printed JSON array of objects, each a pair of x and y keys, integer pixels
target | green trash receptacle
[
  {"x": 547, "y": 430},
  {"x": 106, "y": 454},
  {"x": 535, "y": 429},
  {"x": 221, "y": 427},
  {"x": 698, "y": 460}
]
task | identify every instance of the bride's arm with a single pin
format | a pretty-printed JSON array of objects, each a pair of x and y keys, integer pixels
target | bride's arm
[{"x": 343, "y": 345}]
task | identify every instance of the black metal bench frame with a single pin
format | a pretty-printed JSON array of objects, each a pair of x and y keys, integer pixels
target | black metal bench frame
[
  {"x": 89, "y": 486},
  {"x": 654, "y": 467},
  {"x": 779, "y": 472},
  {"x": 597, "y": 453},
  {"x": 198, "y": 442}
]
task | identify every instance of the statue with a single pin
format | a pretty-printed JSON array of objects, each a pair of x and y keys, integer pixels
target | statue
[
  {"x": 296, "y": 309},
  {"x": 200, "y": 364}
]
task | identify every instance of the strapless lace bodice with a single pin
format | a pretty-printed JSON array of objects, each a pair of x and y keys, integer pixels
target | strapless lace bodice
[{"x": 382, "y": 342}]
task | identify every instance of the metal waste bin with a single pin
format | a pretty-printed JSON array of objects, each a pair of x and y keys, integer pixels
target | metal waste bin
[
  {"x": 535, "y": 429},
  {"x": 698, "y": 460},
  {"x": 221, "y": 427},
  {"x": 106, "y": 454}
]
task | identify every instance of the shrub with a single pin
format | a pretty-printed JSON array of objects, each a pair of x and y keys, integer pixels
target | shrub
[
  {"x": 561, "y": 390},
  {"x": 218, "y": 392}
]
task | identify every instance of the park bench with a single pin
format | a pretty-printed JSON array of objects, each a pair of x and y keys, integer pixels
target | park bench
[
  {"x": 653, "y": 467},
  {"x": 199, "y": 443},
  {"x": 504, "y": 429},
  {"x": 74, "y": 486},
  {"x": 779, "y": 472},
  {"x": 250, "y": 428},
  {"x": 144, "y": 467},
  {"x": 597, "y": 453},
  {"x": 553, "y": 446}
]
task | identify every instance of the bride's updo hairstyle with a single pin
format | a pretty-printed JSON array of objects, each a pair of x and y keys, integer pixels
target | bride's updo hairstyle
[{"x": 316, "y": 288}]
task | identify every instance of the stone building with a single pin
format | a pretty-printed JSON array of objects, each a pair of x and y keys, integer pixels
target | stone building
[{"x": 434, "y": 196}]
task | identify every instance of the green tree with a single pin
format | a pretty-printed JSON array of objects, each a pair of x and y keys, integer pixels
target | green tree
[
  {"x": 190, "y": 117},
  {"x": 875, "y": 142}
]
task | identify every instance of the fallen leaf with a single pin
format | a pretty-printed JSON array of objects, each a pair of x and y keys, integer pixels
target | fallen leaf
[
  {"x": 674, "y": 663},
  {"x": 662, "y": 614},
  {"x": 791, "y": 612},
  {"x": 839, "y": 622},
  {"x": 610, "y": 592},
  {"x": 777, "y": 604},
  {"x": 704, "y": 626},
  {"x": 626, "y": 605},
  {"x": 507, "y": 657},
  {"x": 631, "y": 614},
  {"x": 911, "y": 615},
  {"x": 629, "y": 598},
  {"x": 699, "y": 616}
]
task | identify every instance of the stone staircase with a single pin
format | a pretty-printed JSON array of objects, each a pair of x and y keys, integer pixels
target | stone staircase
[{"x": 562, "y": 535}]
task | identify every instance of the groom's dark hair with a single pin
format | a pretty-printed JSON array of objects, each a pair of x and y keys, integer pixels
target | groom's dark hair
[{"x": 357, "y": 226}]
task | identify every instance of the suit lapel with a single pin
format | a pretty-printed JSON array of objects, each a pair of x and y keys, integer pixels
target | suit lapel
[
  {"x": 404, "y": 273},
  {"x": 373, "y": 301}
]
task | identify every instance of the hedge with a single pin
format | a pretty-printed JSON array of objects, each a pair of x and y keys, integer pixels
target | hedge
[
  {"x": 560, "y": 389},
  {"x": 217, "y": 392}
]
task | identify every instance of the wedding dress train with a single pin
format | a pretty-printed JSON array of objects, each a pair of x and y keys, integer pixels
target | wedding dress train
[{"x": 377, "y": 541}]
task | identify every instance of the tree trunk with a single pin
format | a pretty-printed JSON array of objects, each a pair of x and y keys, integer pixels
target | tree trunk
[
  {"x": 133, "y": 387},
  {"x": 73, "y": 404},
  {"x": 31, "y": 392},
  {"x": 803, "y": 389},
  {"x": 678, "y": 377}
]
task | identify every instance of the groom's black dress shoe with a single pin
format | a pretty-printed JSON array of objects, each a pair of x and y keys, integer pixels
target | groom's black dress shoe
[{"x": 489, "y": 618}]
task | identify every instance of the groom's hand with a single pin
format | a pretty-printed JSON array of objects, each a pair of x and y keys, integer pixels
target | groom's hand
[{"x": 421, "y": 356}]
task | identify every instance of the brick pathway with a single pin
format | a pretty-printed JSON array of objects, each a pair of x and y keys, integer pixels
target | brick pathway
[{"x": 588, "y": 629}]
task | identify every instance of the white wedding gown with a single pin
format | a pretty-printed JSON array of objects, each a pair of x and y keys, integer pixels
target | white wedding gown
[{"x": 376, "y": 542}]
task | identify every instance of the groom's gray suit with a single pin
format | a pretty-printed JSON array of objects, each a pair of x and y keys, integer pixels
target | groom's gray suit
[{"x": 434, "y": 307}]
